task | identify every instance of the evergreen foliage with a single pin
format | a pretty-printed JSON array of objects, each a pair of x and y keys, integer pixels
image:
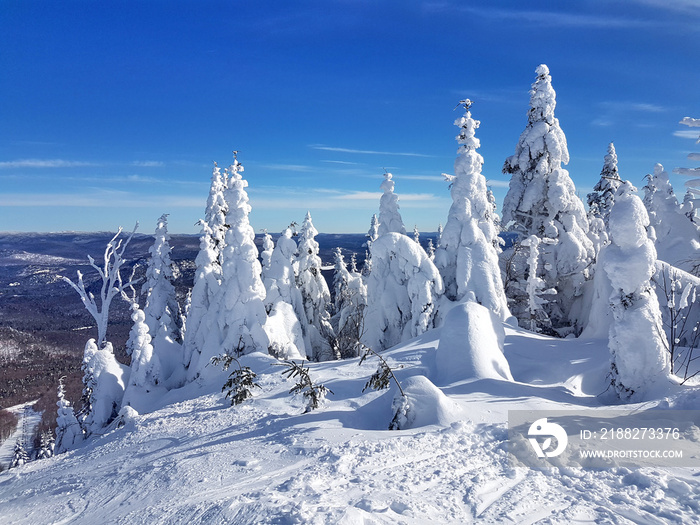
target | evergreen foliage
[
  {"x": 240, "y": 383},
  {"x": 314, "y": 394}
]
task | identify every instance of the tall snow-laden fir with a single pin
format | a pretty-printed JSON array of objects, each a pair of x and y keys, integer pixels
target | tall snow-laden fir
[
  {"x": 467, "y": 256},
  {"x": 286, "y": 323},
  {"x": 350, "y": 302},
  {"x": 162, "y": 312},
  {"x": 600, "y": 201},
  {"x": 402, "y": 292},
  {"x": 389, "y": 216},
  {"x": 145, "y": 372},
  {"x": 207, "y": 277},
  {"x": 314, "y": 291},
  {"x": 237, "y": 312},
  {"x": 542, "y": 201},
  {"x": 677, "y": 238},
  {"x": 20, "y": 455},
  {"x": 638, "y": 356}
]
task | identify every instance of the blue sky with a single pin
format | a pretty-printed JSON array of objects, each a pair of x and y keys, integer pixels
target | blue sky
[{"x": 112, "y": 112}]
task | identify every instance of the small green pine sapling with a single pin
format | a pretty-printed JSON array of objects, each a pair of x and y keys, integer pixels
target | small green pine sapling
[
  {"x": 314, "y": 394},
  {"x": 241, "y": 381},
  {"x": 380, "y": 380}
]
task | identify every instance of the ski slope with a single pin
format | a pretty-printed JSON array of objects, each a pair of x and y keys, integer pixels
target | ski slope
[{"x": 196, "y": 459}]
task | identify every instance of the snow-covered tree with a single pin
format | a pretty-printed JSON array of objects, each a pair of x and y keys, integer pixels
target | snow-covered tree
[
  {"x": 215, "y": 213},
  {"x": 535, "y": 288},
  {"x": 237, "y": 312},
  {"x": 542, "y": 201},
  {"x": 350, "y": 302},
  {"x": 373, "y": 232},
  {"x": 600, "y": 201},
  {"x": 416, "y": 235},
  {"x": 466, "y": 257},
  {"x": 677, "y": 239},
  {"x": 46, "y": 445},
  {"x": 68, "y": 431},
  {"x": 145, "y": 372},
  {"x": 692, "y": 200},
  {"x": 104, "y": 383},
  {"x": 112, "y": 284},
  {"x": 389, "y": 216},
  {"x": 314, "y": 292},
  {"x": 284, "y": 304},
  {"x": 162, "y": 311},
  {"x": 402, "y": 292},
  {"x": 20, "y": 456},
  {"x": 431, "y": 249},
  {"x": 638, "y": 356},
  {"x": 266, "y": 254}
]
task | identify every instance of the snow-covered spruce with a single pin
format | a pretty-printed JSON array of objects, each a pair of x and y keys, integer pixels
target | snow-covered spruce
[
  {"x": 162, "y": 312},
  {"x": 638, "y": 358},
  {"x": 350, "y": 302},
  {"x": 215, "y": 213},
  {"x": 314, "y": 292},
  {"x": 402, "y": 292},
  {"x": 600, "y": 201},
  {"x": 466, "y": 257},
  {"x": 68, "y": 431},
  {"x": 284, "y": 304},
  {"x": 20, "y": 456},
  {"x": 677, "y": 238},
  {"x": 542, "y": 201},
  {"x": 389, "y": 216},
  {"x": 46, "y": 445},
  {"x": 237, "y": 312}
]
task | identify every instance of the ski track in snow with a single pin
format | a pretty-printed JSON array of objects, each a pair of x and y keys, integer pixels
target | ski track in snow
[
  {"x": 28, "y": 420},
  {"x": 198, "y": 460}
]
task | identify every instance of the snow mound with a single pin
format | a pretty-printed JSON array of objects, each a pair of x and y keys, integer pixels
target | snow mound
[
  {"x": 471, "y": 345},
  {"x": 427, "y": 404}
]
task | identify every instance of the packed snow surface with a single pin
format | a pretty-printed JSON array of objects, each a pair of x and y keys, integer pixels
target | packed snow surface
[{"x": 196, "y": 459}]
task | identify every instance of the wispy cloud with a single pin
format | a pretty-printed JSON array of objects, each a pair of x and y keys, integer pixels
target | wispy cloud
[
  {"x": 45, "y": 163},
  {"x": 687, "y": 134},
  {"x": 688, "y": 7},
  {"x": 612, "y": 112},
  {"x": 342, "y": 162},
  {"x": 430, "y": 178},
  {"x": 627, "y": 106},
  {"x": 148, "y": 163},
  {"x": 541, "y": 18},
  {"x": 375, "y": 196},
  {"x": 365, "y": 151}
]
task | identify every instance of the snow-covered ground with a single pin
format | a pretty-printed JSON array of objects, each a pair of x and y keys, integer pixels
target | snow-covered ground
[
  {"x": 195, "y": 459},
  {"x": 27, "y": 422}
]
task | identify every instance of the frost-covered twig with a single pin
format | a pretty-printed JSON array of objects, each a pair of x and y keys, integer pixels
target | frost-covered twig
[
  {"x": 384, "y": 374},
  {"x": 314, "y": 394}
]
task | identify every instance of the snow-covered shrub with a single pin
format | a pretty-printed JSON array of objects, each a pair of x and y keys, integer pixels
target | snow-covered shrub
[
  {"x": 638, "y": 357},
  {"x": 542, "y": 201},
  {"x": 467, "y": 256},
  {"x": 68, "y": 430},
  {"x": 402, "y": 292},
  {"x": 423, "y": 404},
  {"x": 240, "y": 383},
  {"x": 313, "y": 393},
  {"x": 389, "y": 216},
  {"x": 314, "y": 292},
  {"x": 106, "y": 379},
  {"x": 145, "y": 372},
  {"x": 471, "y": 345}
]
